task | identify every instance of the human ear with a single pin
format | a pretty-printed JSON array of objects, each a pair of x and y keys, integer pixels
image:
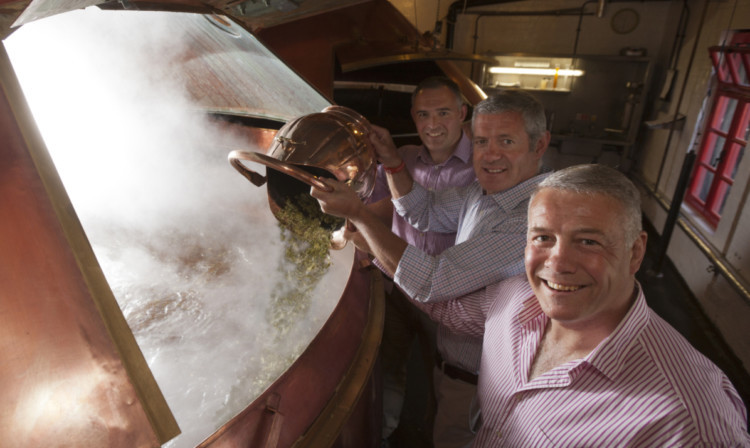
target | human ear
[
  {"x": 638, "y": 251},
  {"x": 541, "y": 144}
]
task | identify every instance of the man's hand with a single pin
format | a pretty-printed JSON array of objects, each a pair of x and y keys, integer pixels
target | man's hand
[
  {"x": 385, "y": 149},
  {"x": 355, "y": 236},
  {"x": 400, "y": 181},
  {"x": 371, "y": 234},
  {"x": 342, "y": 201}
]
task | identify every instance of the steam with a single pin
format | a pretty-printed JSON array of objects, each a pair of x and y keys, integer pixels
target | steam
[{"x": 189, "y": 247}]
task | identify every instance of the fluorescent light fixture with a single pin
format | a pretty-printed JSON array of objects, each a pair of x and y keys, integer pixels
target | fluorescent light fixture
[
  {"x": 535, "y": 71},
  {"x": 531, "y": 64}
]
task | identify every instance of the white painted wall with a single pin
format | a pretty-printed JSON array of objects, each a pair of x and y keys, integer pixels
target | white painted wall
[{"x": 728, "y": 310}]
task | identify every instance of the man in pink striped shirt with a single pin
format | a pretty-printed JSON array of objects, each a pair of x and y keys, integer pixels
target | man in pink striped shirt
[{"x": 573, "y": 356}]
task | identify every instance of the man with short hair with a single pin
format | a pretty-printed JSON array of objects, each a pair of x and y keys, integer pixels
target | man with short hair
[
  {"x": 509, "y": 137},
  {"x": 442, "y": 161},
  {"x": 573, "y": 355}
]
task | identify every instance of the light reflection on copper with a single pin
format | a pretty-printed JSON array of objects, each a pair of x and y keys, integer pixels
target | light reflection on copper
[{"x": 191, "y": 255}]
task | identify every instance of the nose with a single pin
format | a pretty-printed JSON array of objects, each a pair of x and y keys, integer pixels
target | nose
[
  {"x": 492, "y": 153},
  {"x": 433, "y": 120},
  {"x": 560, "y": 258}
]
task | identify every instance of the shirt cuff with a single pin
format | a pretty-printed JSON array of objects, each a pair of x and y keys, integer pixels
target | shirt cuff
[
  {"x": 409, "y": 200},
  {"x": 411, "y": 275}
]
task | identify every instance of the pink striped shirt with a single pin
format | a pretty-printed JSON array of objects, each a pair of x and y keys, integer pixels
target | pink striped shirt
[
  {"x": 644, "y": 385},
  {"x": 490, "y": 239}
]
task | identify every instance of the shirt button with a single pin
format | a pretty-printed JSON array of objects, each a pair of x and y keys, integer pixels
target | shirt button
[{"x": 499, "y": 434}]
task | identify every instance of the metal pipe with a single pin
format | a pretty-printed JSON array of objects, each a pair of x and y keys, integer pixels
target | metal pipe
[
  {"x": 453, "y": 12},
  {"x": 679, "y": 34},
  {"x": 459, "y": 5},
  {"x": 674, "y": 211},
  {"x": 552, "y": 12},
  {"x": 600, "y": 8},
  {"x": 682, "y": 95},
  {"x": 580, "y": 21}
]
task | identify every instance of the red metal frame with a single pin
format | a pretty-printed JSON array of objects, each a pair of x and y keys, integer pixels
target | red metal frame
[{"x": 722, "y": 145}]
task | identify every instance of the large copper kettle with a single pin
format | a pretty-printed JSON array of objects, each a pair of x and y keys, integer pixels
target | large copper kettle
[{"x": 333, "y": 143}]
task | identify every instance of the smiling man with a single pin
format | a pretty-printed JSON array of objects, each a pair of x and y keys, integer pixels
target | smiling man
[
  {"x": 488, "y": 217},
  {"x": 509, "y": 140},
  {"x": 573, "y": 355},
  {"x": 443, "y": 160}
]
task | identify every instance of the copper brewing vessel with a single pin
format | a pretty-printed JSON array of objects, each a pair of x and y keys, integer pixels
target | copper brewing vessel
[{"x": 332, "y": 143}]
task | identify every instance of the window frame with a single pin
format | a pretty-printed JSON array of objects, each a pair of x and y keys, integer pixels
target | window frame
[{"x": 732, "y": 73}]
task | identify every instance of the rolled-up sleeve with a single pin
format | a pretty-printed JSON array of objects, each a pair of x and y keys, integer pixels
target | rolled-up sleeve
[
  {"x": 465, "y": 267},
  {"x": 435, "y": 211}
]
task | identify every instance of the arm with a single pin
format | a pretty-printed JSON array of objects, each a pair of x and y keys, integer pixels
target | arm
[
  {"x": 464, "y": 315},
  {"x": 491, "y": 256},
  {"x": 399, "y": 180},
  {"x": 383, "y": 209},
  {"x": 435, "y": 211},
  {"x": 382, "y": 243}
]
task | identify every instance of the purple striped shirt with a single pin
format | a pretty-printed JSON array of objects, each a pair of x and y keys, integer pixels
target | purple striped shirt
[
  {"x": 490, "y": 240},
  {"x": 644, "y": 385},
  {"x": 456, "y": 171}
]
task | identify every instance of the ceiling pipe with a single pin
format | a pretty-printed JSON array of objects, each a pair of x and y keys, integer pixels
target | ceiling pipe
[
  {"x": 681, "y": 95},
  {"x": 456, "y": 8},
  {"x": 460, "y": 6},
  {"x": 554, "y": 12},
  {"x": 600, "y": 9}
]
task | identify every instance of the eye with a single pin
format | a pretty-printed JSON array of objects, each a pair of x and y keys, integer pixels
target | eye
[
  {"x": 444, "y": 113},
  {"x": 421, "y": 115},
  {"x": 589, "y": 242},
  {"x": 506, "y": 141},
  {"x": 541, "y": 239},
  {"x": 480, "y": 141}
]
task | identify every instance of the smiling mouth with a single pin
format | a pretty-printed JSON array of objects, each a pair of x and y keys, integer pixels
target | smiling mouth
[
  {"x": 495, "y": 170},
  {"x": 434, "y": 134},
  {"x": 561, "y": 287}
]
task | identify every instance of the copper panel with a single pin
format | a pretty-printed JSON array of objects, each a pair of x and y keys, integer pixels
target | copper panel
[
  {"x": 308, "y": 45},
  {"x": 281, "y": 415},
  {"x": 62, "y": 380},
  {"x": 328, "y": 389},
  {"x": 283, "y": 429},
  {"x": 368, "y": 35},
  {"x": 255, "y": 15}
]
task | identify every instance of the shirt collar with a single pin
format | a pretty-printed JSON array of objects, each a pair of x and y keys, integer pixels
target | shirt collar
[
  {"x": 608, "y": 356},
  {"x": 462, "y": 152},
  {"x": 511, "y": 198},
  {"x": 530, "y": 309}
]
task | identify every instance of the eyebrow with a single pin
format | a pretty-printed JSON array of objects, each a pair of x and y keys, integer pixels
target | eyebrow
[
  {"x": 503, "y": 135},
  {"x": 580, "y": 230},
  {"x": 439, "y": 109}
]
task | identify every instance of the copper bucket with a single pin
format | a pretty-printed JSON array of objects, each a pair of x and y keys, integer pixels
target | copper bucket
[{"x": 330, "y": 144}]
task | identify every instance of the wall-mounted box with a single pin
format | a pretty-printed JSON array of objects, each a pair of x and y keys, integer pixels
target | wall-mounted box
[
  {"x": 532, "y": 73},
  {"x": 604, "y": 101}
]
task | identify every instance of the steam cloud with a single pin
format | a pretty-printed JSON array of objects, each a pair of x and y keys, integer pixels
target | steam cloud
[{"x": 189, "y": 247}]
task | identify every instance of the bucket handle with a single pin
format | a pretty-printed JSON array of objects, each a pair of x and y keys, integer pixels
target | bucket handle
[{"x": 236, "y": 156}]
